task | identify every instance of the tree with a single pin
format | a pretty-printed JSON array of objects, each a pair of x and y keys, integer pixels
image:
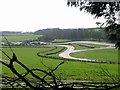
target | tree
[{"x": 108, "y": 10}]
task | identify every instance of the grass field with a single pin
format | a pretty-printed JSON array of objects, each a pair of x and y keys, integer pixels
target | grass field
[
  {"x": 60, "y": 40},
  {"x": 78, "y": 47},
  {"x": 104, "y": 54},
  {"x": 20, "y": 37},
  {"x": 95, "y": 45},
  {"x": 70, "y": 70}
]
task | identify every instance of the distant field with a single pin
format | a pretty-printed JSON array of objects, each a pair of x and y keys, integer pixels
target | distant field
[
  {"x": 104, "y": 54},
  {"x": 60, "y": 40},
  {"x": 70, "y": 70},
  {"x": 20, "y": 37}
]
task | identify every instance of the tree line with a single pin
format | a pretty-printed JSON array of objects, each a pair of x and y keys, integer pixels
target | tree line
[{"x": 72, "y": 34}]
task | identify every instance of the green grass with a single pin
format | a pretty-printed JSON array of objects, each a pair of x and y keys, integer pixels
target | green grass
[
  {"x": 78, "y": 47},
  {"x": 104, "y": 54},
  {"x": 70, "y": 70},
  {"x": 60, "y": 40},
  {"x": 95, "y": 45},
  {"x": 20, "y": 37},
  {"x": 55, "y": 52}
]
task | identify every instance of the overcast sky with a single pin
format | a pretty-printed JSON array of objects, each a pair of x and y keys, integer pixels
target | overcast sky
[{"x": 32, "y": 15}]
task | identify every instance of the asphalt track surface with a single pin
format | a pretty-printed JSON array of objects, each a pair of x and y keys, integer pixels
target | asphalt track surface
[{"x": 70, "y": 49}]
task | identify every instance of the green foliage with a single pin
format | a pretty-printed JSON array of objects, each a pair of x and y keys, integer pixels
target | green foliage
[
  {"x": 72, "y": 34},
  {"x": 106, "y": 9}
]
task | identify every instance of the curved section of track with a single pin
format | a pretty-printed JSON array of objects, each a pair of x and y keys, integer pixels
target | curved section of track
[{"x": 71, "y": 49}]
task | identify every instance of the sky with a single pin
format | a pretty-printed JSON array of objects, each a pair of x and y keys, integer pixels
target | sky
[{"x": 32, "y": 15}]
